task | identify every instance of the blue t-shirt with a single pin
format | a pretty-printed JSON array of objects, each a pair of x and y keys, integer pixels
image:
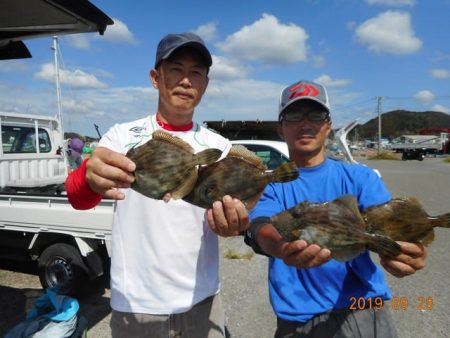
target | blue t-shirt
[{"x": 300, "y": 294}]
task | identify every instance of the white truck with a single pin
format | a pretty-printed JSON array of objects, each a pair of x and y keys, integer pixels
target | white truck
[{"x": 36, "y": 219}]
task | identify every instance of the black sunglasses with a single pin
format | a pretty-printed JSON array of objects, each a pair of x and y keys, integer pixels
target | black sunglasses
[{"x": 313, "y": 116}]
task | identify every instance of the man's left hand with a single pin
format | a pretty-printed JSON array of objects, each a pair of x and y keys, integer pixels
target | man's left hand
[
  {"x": 228, "y": 217},
  {"x": 408, "y": 262}
]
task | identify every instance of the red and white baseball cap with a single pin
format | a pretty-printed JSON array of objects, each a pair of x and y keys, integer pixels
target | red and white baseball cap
[{"x": 303, "y": 90}]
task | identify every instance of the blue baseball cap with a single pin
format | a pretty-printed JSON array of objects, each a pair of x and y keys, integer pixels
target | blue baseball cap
[{"x": 172, "y": 42}]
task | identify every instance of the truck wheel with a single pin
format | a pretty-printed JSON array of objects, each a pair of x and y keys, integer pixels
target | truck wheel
[{"x": 61, "y": 265}]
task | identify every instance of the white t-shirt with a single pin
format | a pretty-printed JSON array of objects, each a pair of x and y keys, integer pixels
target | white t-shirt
[{"x": 164, "y": 257}]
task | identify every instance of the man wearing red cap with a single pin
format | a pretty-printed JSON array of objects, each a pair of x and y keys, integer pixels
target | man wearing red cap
[
  {"x": 312, "y": 294},
  {"x": 164, "y": 264}
]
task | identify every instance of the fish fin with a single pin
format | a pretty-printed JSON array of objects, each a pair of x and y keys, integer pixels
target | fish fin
[
  {"x": 413, "y": 201},
  {"x": 208, "y": 156},
  {"x": 165, "y": 136},
  {"x": 428, "y": 238},
  {"x": 185, "y": 187},
  {"x": 241, "y": 151},
  {"x": 251, "y": 202},
  {"x": 285, "y": 172},
  {"x": 383, "y": 245},
  {"x": 346, "y": 254},
  {"x": 350, "y": 202}
]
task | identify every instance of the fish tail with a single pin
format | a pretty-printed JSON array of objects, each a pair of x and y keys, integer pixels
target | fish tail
[
  {"x": 442, "y": 221},
  {"x": 383, "y": 245},
  {"x": 208, "y": 156},
  {"x": 285, "y": 172}
]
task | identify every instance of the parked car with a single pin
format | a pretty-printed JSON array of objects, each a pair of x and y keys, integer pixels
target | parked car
[
  {"x": 273, "y": 153},
  {"x": 414, "y": 154}
]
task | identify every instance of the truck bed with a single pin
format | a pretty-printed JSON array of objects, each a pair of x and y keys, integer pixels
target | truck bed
[{"x": 38, "y": 213}]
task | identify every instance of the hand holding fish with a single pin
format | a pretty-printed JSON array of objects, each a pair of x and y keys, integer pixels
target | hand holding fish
[
  {"x": 411, "y": 259},
  {"x": 107, "y": 170},
  {"x": 228, "y": 218},
  {"x": 302, "y": 255},
  {"x": 297, "y": 253}
]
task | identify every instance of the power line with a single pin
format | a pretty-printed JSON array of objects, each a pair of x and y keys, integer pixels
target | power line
[
  {"x": 339, "y": 107},
  {"x": 414, "y": 98}
]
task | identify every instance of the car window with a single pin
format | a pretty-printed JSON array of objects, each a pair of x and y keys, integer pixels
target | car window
[
  {"x": 23, "y": 140},
  {"x": 271, "y": 157}
]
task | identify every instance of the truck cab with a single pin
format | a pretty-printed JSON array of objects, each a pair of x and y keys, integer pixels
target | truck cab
[{"x": 31, "y": 152}]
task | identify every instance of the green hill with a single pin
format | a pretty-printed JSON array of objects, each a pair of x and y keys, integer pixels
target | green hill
[{"x": 401, "y": 122}]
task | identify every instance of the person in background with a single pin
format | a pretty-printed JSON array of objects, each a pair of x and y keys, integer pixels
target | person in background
[
  {"x": 164, "y": 263},
  {"x": 311, "y": 294},
  {"x": 74, "y": 153}
]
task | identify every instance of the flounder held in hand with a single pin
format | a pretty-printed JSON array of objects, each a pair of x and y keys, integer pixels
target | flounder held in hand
[
  {"x": 166, "y": 166},
  {"x": 241, "y": 175},
  {"x": 336, "y": 225},
  {"x": 404, "y": 219}
]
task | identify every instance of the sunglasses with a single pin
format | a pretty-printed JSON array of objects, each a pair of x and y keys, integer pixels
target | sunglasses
[{"x": 313, "y": 116}]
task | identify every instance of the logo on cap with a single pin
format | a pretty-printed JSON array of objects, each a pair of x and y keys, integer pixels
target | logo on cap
[{"x": 301, "y": 89}]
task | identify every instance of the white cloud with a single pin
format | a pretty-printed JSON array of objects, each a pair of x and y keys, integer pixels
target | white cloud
[
  {"x": 440, "y": 73},
  {"x": 118, "y": 33},
  {"x": 76, "y": 78},
  {"x": 328, "y": 82},
  {"x": 225, "y": 69},
  {"x": 13, "y": 66},
  {"x": 442, "y": 109},
  {"x": 241, "y": 99},
  {"x": 424, "y": 96},
  {"x": 268, "y": 41},
  {"x": 207, "y": 32},
  {"x": 318, "y": 61},
  {"x": 351, "y": 25},
  {"x": 396, "y": 3},
  {"x": 80, "y": 41},
  {"x": 389, "y": 32}
]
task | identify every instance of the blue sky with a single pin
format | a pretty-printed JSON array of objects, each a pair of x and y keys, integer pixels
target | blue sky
[{"x": 359, "y": 49}]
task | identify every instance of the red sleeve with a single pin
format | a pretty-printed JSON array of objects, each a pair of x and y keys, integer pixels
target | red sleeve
[{"x": 80, "y": 195}]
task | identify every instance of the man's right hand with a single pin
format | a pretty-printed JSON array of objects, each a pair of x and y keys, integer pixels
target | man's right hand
[{"x": 108, "y": 170}]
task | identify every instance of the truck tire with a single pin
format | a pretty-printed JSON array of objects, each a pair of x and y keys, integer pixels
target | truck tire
[{"x": 60, "y": 265}]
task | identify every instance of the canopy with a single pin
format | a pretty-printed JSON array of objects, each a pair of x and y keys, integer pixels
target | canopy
[{"x": 27, "y": 19}]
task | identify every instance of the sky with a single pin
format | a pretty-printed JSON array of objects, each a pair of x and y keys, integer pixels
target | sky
[{"x": 361, "y": 50}]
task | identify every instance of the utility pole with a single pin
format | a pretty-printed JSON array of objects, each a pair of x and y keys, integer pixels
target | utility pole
[{"x": 379, "y": 99}]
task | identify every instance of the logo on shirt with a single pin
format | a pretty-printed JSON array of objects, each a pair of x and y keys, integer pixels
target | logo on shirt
[{"x": 137, "y": 130}]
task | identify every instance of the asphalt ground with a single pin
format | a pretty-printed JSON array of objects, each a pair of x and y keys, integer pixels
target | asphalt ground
[{"x": 421, "y": 304}]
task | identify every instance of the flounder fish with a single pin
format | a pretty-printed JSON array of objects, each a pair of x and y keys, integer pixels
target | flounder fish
[
  {"x": 404, "y": 219},
  {"x": 336, "y": 225},
  {"x": 166, "y": 166},
  {"x": 241, "y": 174}
]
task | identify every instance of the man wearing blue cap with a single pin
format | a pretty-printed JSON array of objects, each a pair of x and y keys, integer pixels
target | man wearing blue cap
[
  {"x": 164, "y": 264},
  {"x": 312, "y": 294}
]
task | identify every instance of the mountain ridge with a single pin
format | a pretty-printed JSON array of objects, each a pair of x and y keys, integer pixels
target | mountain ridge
[{"x": 400, "y": 122}]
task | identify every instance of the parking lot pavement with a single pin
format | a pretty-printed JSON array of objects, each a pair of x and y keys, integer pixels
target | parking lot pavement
[{"x": 422, "y": 301}]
